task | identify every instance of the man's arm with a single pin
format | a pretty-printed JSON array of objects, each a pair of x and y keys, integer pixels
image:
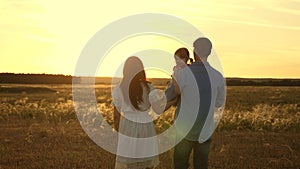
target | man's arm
[
  {"x": 171, "y": 96},
  {"x": 171, "y": 103},
  {"x": 177, "y": 88},
  {"x": 220, "y": 101},
  {"x": 170, "y": 92}
]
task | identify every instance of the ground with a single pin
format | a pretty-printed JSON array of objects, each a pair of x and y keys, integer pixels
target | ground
[
  {"x": 259, "y": 129},
  {"x": 25, "y": 144}
]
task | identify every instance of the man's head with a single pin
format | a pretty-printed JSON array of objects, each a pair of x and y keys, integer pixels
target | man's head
[{"x": 202, "y": 49}]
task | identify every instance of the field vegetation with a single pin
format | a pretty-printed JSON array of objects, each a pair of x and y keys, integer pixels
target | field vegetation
[{"x": 39, "y": 128}]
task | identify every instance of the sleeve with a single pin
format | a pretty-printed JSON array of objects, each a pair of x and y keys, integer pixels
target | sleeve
[
  {"x": 221, "y": 93},
  {"x": 180, "y": 78},
  {"x": 157, "y": 100},
  {"x": 116, "y": 97},
  {"x": 156, "y": 95},
  {"x": 153, "y": 95}
]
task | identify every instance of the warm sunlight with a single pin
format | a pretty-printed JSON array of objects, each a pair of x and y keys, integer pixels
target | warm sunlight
[
  {"x": 251, "y": 38},
  {"x": 155, "y": 51}
]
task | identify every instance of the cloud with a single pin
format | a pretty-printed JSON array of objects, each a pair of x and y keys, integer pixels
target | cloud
[{"x": 285, "y": 6}]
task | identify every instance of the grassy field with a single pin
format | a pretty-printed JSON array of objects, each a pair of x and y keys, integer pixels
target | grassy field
[{"x": 260, "y": 128}]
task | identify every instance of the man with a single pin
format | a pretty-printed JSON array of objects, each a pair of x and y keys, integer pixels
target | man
[{"x": 208, "y": 95}]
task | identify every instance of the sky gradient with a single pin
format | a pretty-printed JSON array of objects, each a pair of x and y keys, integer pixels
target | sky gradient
[{"x": 252, "y": 38}]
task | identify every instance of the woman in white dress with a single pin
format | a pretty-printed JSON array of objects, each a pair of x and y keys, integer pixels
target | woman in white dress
[{"x": 133, "y": 99}]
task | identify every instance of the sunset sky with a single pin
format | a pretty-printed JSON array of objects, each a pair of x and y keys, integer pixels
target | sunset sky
[{"x": 257, "y": 38}]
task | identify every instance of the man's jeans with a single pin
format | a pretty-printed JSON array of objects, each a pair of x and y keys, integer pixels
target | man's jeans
[{"x": 183, "y": 150}]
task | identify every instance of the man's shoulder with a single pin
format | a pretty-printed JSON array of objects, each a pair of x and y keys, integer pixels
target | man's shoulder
[{"x": 216, "y": 72}]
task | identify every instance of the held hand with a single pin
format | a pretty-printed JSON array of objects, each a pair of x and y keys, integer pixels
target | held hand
[
  {"x": 116, "y": 119},
  {"x": 116, "y": 126}
]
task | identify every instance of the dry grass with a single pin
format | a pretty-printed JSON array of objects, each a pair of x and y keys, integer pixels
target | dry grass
[{"x": 259, "y": 129}]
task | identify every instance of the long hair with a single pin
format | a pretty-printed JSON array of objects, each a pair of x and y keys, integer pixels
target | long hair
[{"x": 134, "y": 78}]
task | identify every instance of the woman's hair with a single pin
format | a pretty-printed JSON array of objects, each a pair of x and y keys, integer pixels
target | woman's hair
[{"x": 134, "y": 78}]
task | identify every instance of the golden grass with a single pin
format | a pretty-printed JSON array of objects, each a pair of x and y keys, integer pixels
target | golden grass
[
  {"x": 259, "y": 129},
  {"x": 245, "y": 109}
]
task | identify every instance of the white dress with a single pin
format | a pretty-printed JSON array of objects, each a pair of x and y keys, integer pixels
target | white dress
[{"x": 135, "y": 149}]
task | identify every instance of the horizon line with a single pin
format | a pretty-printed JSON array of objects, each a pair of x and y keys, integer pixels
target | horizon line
[{"x": 232, "y": 77}]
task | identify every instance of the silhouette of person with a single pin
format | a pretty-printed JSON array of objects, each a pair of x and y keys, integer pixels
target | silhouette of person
[
  {"x": 211, "y": 90},
  {"x": 181, "y": 56},
  {"x": 133, "y": 99}
]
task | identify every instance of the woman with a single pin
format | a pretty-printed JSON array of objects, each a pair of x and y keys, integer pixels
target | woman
[{"x": 133, "y": 98}]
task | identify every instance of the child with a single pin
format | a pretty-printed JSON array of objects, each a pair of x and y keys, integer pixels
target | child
[{"x": 181, "y": 57}]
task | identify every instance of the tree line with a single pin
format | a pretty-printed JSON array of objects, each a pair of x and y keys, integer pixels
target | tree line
[{"x": 68, "y": 79}]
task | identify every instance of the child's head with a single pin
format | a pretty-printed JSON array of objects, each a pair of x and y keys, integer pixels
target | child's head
[{"x": 182, "y": 54}]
